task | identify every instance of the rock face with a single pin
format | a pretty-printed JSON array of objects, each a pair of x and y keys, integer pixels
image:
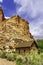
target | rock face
[
  {"x": 1, "y": 15},
  {"x": 13, "y": 29}
]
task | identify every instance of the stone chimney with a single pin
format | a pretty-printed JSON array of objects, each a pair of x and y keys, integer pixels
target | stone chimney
[{"x": 1, "y": 15}]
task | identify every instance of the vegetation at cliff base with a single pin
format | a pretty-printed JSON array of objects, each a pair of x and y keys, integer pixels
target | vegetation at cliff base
[{"x": 28, "y": 59}]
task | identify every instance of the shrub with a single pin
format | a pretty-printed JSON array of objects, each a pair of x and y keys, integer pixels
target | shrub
[
  {"x": 19, "y": 60},
  {"x": 2, "y": 54},
  {"x": 10, "y": 56},
  {"x": 15, "y": 56}
]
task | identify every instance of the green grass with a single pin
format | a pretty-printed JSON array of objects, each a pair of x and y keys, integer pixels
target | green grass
[{"x": 40, "y": 45}]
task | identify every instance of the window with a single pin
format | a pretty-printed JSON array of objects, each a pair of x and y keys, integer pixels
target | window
[
  {"x": 19, "y": 51},
  {"x": 24, "y": 50}
]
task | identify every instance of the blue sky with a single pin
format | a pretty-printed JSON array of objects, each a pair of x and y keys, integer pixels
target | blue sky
[{"x": 31, "y": 10}]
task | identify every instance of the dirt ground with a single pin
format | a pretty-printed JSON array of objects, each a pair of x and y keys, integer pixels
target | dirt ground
[{"x": 6, "y": 62}]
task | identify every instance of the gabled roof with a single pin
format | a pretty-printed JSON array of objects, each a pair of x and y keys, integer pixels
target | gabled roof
[{"x": 21, "y": 43}]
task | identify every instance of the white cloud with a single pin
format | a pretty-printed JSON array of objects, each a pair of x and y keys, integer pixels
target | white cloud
[
  {"x": 32, "y": 9},
  {"x": 7, "y": 17},
  {"x": 37, "y": 29},
  {"x": 1, "y": 1}
]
